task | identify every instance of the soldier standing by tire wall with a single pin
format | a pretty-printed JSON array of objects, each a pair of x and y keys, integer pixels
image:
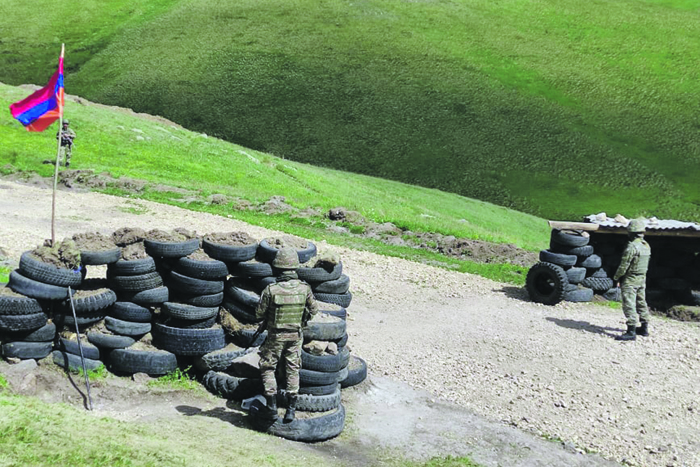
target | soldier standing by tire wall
[
  {"x": 632, "y": 273},
  {"x": 286, "y": 306}
]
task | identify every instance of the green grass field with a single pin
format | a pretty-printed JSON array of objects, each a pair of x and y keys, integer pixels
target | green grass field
[
  {"x": 160, "y": 153},
  {"x": 558, "y": 108}
]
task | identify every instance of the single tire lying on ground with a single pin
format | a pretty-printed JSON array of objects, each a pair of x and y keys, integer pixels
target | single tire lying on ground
[
  {"x": 152, "y": 362},
  {"x": 546, "y": 283},
  {"x": 74, "y": 362},
  {"x": 327, "y": 425},
  {"x": 357, "y": 372}
]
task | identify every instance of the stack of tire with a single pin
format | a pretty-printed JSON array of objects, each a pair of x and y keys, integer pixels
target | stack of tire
[
  {"x": 569, "y": 270},
  {"x": 25, "y": 332},
  {"x": 48, "y": 285},
  {"x": 140, "y": 288},
  {"x": 187, "y": 324},
  {"x": 329, "y": 285}
]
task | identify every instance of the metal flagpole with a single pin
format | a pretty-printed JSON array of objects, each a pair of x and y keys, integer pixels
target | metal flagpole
[
  {"x": 80, "y": 348},
  {"x": 55, "y": 173}
]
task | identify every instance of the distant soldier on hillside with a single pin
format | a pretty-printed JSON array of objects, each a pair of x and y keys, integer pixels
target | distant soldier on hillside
[
  {"x": 67, "y": 136},
  {"x": 632, "y": 272},
  {"x": 285, "y": 306}
]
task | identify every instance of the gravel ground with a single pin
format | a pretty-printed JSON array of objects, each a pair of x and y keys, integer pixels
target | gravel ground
[{"x": 553, "y": 371}]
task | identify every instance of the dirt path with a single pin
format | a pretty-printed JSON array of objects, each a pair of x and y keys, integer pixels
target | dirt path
[{"x": 507, "y": 362}]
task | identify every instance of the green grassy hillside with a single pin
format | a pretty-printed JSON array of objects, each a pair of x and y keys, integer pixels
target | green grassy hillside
[
  {"x": 127, "y": 145},
  {"x": 558, "y": 108}
]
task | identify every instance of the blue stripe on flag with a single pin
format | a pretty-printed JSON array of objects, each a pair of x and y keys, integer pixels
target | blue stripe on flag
[{"x": 28, "y": 116}]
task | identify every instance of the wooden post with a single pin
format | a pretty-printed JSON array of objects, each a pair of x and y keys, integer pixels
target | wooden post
[{"x": 55, "y": 173}]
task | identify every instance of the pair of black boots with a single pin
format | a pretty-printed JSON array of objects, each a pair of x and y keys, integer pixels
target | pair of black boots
[
  {"x": 291, "y": 407},
  {"x": 633, "y": 332}
]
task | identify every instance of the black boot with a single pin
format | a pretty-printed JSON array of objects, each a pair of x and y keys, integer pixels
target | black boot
[
  {"x": 271, "y": 402},
  {"x": 643, "y": 330},
  {"x": 291, "y": 408},
  {"x": 630, "y": 335}
]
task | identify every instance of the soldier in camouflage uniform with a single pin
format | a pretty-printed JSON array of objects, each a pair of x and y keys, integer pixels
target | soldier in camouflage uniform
[
  {"x": 633, "y": 274},
  {"x": 67, "y": 136},
  {"x": 286, "y": 306}
]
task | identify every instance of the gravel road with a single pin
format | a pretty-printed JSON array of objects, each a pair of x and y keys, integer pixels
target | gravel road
[{"x": 553, "y": 371}]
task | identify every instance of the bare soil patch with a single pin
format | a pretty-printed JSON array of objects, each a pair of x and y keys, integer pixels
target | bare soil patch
[{"x": 230, "y": 238}]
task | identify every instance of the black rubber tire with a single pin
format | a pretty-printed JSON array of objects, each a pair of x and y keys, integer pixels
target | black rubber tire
[
  {"x": 26, "y": 350},
  {"x": 326, "y": 426},
  {"x": 243, "y": 338},
  {"x": 357, "y": 372},
  {"x": 267, "y": 253},
  {"x": 127, "y": 328},
  {"x": 74, "y": 362},
  {"x": 328, "y": 363},
  {"x": 614, "y": 294},
  {"x": 545, "y": 283},
  {"x": 599, "y": 274},
  {"x": 231, "y": 387},
  {"x": 575, "y": 275},
  {"x": 581, "y": 251},
  {"x": 247, "y": 298},
  {"x": 319, "y": 390},
  {"x": 151, "y": 362},
  {"x": 109, "y": 341},
  {"x": 89, "y": 350},
  {"x": 229, "y": 253},
  {"x": 218, "y": 360},
  {"x": 243, "y": 314},
  {"x": 342, "y": 342},
  {"x": 183, "y": 311},
  {"x": 94, "y": 258},
  {"x": 190, "y": 324},
  {"x": 559, "y": 259},
  {"x": 135, "y": 267},
  {"x": 10, "y": 305},
  {"x": 342, "y": 313},
  {"x": 327, "y": 331},
  {"x": 343, "y": 299},
  {"x": 320, "y": 274},
  {"x": 250, "y": 269},
  {"x": 128, "y": 311},
  {"x": 188, "y": 341},
  {"x": 201, "y": 300},
  {"x": 598, "y": 284},
  {"x": 261, "y": 283},
  {"x": 66, "y": 320},
  {"x": 338, "y": 286},
  {"x": 190, "y": 286},
  {"x": 202, "y": 269},
  {"x": 89, "y": 304},
  {"x": 321, "y": 378},
  {"x": 312, "y": 403},
  {"x": 171, "y": 249},
  {"x": 135, "y": 284},
  {"x": 34, "y": 289},
  {"x": 23, "y": 322},
  {"x": 579, "y": 295},
  {"x": 591, "y": 262},
  {"x": 155, "y": 296},
  {"x": 44, "y": 334},
  {"x": 570, "y": 239},
  {"x": 39, "y": 271}
]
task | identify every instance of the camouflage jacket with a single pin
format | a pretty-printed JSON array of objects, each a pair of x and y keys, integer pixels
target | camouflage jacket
[
  {"x": 67, "y": 136},
  {"x": 635, "y": 260},
  {"x": 286, "y": 306}
]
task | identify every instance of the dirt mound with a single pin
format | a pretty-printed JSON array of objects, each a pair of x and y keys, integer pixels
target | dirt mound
[
  {"x": 93, "y": 242},
  {"x": 64, "y": 254},
  {"x": 230, "y": 238}
]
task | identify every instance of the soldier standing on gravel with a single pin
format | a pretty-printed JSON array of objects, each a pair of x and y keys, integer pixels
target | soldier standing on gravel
[
  {"x": 286, "y": 306},
  {"x": 67, "y": 136},
  {"x": 632, "y": 272}
]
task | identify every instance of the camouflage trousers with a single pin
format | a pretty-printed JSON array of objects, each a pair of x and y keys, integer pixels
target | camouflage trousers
[
  {"x": 65, "y": 153},
  {"x": 276, "y": 346},
  {"x": 634, "y": 302}
]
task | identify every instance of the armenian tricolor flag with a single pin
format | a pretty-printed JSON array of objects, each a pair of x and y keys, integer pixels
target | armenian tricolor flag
[{"x": 43, "y": 107}]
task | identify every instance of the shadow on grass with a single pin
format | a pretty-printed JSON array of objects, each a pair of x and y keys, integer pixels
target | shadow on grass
[
  {"x": 584, "y": 326},
  {"x": 235, "y": 416}
]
